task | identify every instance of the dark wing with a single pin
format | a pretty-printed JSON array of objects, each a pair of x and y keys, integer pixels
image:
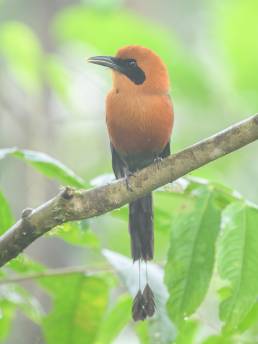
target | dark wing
[
  {"x": 119, "y": 166},
  {"x": 166, "y": 151}
]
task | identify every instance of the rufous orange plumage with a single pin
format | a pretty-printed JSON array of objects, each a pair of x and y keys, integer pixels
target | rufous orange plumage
[{"x": 139, "y": 116}]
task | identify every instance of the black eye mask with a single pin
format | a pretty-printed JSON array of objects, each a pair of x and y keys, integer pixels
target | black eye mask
[{"x": 130, "y": 68}]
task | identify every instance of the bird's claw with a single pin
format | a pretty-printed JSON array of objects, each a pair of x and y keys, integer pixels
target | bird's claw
[
  {"x": 157, "y": 161},
  {"x": 128, "y": 175}
]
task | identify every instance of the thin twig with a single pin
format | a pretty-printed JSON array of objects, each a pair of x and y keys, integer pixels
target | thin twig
[{"x": 55, "y": 272}]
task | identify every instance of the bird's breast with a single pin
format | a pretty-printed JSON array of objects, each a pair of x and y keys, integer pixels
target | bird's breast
[{"x": 139, "y": 124}]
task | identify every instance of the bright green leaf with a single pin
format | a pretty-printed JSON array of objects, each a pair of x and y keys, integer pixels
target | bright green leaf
[
  {"x": 13, "y": 297},
  {"x": 57, "y": 76},
  {"x": 47, "y": 165},
  {"x": 142, "y": 331},
  {"x": 219, "y": 340},
  {"x": 191, "y": 256},
  {"x": 170, "y": 204},
  {"x": 237, "y": 29},
  {"x": 121, "y": 213},
  {"x": 237, "y": 263},
  {"x": 115, "y": 320},
  {"x": 22, "y": 51},
  {"x": 79, "y": 303},
  {"x": 76, "y": 233},
  {"x": 28, "y": 304},
  {"x": 224, "y": 194},
  {"x": 7, "y": 311},
  {"x": 4, "y": 152},
  {"x": 187, "y": 333},
  {"x": 6, "y": 218},
  {"x": 250, "y": 320},
  {"x": 24, "y": 264}
]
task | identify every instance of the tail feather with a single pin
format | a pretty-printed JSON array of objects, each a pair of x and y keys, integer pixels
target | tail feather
[{"x": 141, "y": 228}]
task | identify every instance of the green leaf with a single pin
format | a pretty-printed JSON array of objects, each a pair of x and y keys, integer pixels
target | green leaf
[
  {"x": 121, "y": 213},
  {"x": 76, "y": 233},
  {"x": 250, "y": 320},
  {"x": 224, "y": 194},
  {"x": 28, "y": 304},
  {"x": 6, "y": 218},
  {"x": 237, "y": 263},
  {"x": 45, "y": 164},
  {"x": 4, "y": 152},
  {"x": 22, "y": 51},
  {"x": 237, "y": 29},
  {"x": 161, "y": 330},
  {"x": 142, "y": 331},
  {"x": 13, "y": 297},
  {"x": 24, "y": 264},
  {"x": 188, "y": 332},
  {"x": 115, "y": 321},
  {"x": 219, "y": 340},
  {"x": 79, "y": 303},
  {"x": 191, "y": 255},
  {"x": 170, "y": 205},
  {"x": 7, "y": 311},
  {"x": 125, "y": 28},
  {"x": 57, "y": 76}
]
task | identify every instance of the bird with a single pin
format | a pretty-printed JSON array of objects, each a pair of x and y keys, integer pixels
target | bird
[{"x": 139, "y": 118}]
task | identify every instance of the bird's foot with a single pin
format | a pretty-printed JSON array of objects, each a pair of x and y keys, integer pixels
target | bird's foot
[
  {"x": 127, "y": 177},
  {"x": 157, "y": 161}
]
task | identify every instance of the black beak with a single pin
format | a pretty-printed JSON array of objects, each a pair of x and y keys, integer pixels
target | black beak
[
  {"x": 123, "y": 66},
  {"x": 107, "y": 61}
]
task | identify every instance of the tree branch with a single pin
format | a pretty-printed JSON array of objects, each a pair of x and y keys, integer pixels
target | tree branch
[{"x": 70, "y": 205}]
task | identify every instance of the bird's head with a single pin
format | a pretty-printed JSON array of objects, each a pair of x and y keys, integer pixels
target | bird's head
[{"x": 136, "y": 68}]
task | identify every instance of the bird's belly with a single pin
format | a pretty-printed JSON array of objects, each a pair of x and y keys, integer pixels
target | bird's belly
[
  {"x": 139, "y": 126},
  {"x": 132, "y": 138}
]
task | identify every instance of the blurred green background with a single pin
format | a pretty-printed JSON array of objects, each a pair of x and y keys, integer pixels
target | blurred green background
[{"x": 52, "y": 101}]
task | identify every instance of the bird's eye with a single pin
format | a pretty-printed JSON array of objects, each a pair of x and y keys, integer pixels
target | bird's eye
[{"x": 131, "y": 62}]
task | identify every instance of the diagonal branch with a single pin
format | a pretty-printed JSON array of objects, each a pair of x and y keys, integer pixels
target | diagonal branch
[{"x": 70, "y": 205}]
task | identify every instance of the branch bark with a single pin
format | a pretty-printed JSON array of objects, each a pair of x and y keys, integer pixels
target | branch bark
[{"x": 70, "y": 204}]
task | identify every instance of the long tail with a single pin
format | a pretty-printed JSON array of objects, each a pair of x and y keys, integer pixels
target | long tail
[{"x": 141, "y": 228}]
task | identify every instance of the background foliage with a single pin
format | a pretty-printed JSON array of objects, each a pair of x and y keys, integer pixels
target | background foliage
[{"x": 76, "y": 284}]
